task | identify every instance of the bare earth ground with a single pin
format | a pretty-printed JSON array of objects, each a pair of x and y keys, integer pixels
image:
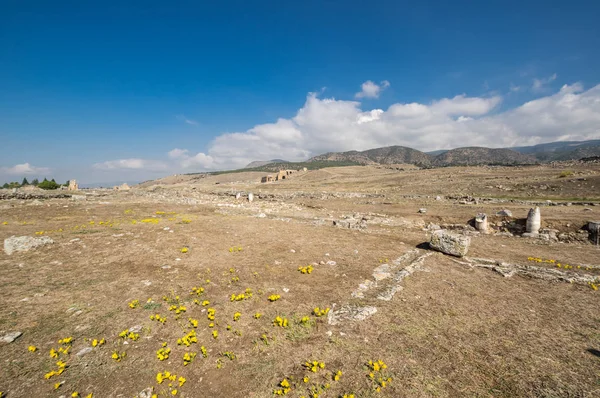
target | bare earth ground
[{"x": 450, "y": 331}]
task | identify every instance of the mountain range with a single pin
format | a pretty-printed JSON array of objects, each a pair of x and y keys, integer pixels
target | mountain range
[{"x": 553, "y": 151}]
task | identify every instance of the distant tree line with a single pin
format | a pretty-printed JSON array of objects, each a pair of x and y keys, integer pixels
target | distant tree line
[{"x": 36, "y": 183}]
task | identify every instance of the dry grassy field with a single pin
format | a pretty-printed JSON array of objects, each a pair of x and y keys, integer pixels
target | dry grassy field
[{"x": 176, "y": 288}]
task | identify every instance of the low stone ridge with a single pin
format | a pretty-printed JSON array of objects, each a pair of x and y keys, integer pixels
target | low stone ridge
[
  {"x": 24, "y": 243},
  {"x": 450, "y": 243}
]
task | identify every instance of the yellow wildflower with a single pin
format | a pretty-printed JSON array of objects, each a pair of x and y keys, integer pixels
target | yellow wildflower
[{"x": 32, "y": 348}]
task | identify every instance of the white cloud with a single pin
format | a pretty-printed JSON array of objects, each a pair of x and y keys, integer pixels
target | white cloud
[
  {"x": 324, "y": 124},
  {"x": 372, "y": 90},
  {"x": 24, "y": 169},
  {"x": 131, "y": 164},
  {"x": 514, "y": 88},
  {"x": 539, "y": 84},
  {"x": 178, "y": 153}
]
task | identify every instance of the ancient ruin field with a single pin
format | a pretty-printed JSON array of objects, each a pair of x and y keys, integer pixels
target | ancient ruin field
[{"x": 177, "y": 288}]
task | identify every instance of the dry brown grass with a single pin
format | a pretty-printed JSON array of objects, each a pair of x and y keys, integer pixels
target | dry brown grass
[{"x": 452, "y": 331}]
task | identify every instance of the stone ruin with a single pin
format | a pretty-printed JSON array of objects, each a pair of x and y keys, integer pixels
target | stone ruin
[
  {"x": 73, "y": 186},
  {"x": 122, "y": 187}
]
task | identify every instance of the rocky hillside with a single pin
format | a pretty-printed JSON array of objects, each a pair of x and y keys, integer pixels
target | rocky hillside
[
  {"x": 259, "y": 163},
  {"x": 478, "y": 156},
  {"x": 454, "y": 157},
  {"x": 385, "y": 155}
]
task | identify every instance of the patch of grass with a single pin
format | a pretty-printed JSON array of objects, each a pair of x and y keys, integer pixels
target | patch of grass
[{"x": 566, "y": 173}]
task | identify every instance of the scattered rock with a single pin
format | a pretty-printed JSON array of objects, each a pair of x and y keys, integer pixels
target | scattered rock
[
  {"x": 286, "y": 290},
  {"x": 136, "y": 329},
  {"x": 292, "y": 251},
  {"x": 534, "y": 220},
  {"x": 350, "y": 313},
  {"x": 450, "y": 243},
  {"x": 331, "y": 262},
  {"x": 438, "y": 198},
  {"x": 250, "y": 197},
  {"x": 481, "y": 223},
  {"x": 351, "y": 223},
  {"x": 84, "y": 351},
  {"x": 147, "y": 393},
  {"x": 504, "y": 213},
  {"x": 24, "y": 243},
  {"x": 422, "y": 210},
  {"x": 10, "y": 337}
]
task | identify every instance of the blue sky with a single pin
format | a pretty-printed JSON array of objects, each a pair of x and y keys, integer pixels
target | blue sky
[{"x": 112, "y": 91}]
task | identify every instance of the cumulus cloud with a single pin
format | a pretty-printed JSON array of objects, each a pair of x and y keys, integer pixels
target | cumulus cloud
[
  {"x": 23, "y": 169},
  {"x": 372, "y": 90},
  {"x": 540, "y": 84},
  {"x": 131, "y": 164},
  {"x": 326, "y": 124}
]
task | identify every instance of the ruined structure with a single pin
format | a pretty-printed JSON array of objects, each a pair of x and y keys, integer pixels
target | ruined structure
[
  {"x": 534, "y": 221},
  {"x": 122, "y": 187},
  {"x": 267, "y": 178},
  {"x": 481, "y": 223},
  {"x": 73, "y": 186}
]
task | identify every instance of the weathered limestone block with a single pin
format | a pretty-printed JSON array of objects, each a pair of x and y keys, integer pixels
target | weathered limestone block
[
  {"x": 594, "y": 232},
  {"x": 481, "y": 223},
  {"x": 534, "y": 221},
  {"x": 24, "y": 243},
  {"x": 449, "y": 243}
]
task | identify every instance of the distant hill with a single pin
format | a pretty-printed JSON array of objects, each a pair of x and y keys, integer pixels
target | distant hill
[
  {"x": 259, "y": 163},
  {"x": 479, "y": 156},
  {"x": 562, "y": 150},
  {"x": 385, "y": 155},
  {"x": 552, "y": 151}
]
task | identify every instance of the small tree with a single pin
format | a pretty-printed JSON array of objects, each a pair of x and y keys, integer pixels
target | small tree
[
  {"x": 25, "y": 182},
  {"x": 35, "y": 182},
  {"x": 5, "y": 186},
  {"x": 48, "y": 184}
]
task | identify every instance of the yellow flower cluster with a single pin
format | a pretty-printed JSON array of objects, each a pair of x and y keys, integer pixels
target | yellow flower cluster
[
  {"x": 184, "y": 250},
  {"x": 237, "y": 316},
  {"x": 193, "y": 322},
  {"x": 197, "y": 290},
  {"x": 274, "y": 297},
  {"x": 61, "y": 368},
  {"x": 235, "y": 249},
  {"x": 257, "y": 315},
  {"x": 178, "y": 309},
  {"x": 348, "y": 396},
  {"x": 163, "y": 353},
  {"x": 556, "y": 263},
  {"x": 160, "y": 213},
  {"x": 32, "y": 348},
  {"x": 126, "y": 334},
  {"x": 118, "y": 356},
  {"x": 593, "y": 286},
  {"x": 97, "y": 343},
  {"x": 285, "y": 388},
  {"x": 215, "y": 334},
  {"x": 188, "y": 357},
  {"x": 228, "y": 354},
  {"x": 242, "y": 296},
  {"x": 383, "y": 260},
  {"x": 158, "y": 318},
  {"x": 337, "y": 375},
  {"x": 305, "y": 320},
  {"x": 318, "y": 312},
  {"x": 281, "y": 322},
  {"x": 306, "y": 270},
  {"x": 186, "y": 221},
  {"x": 376, "y": 374},
  {"x": 314, "y": 366},
  {"x": 134, "y": 304},
  {"x": 204, "y": 352},
  {"x": 210, "y": 314},
  {"x": 150, "y": 220},
  {"x": 5, "y": 223},
  {"x": 188, "y": 339}
]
